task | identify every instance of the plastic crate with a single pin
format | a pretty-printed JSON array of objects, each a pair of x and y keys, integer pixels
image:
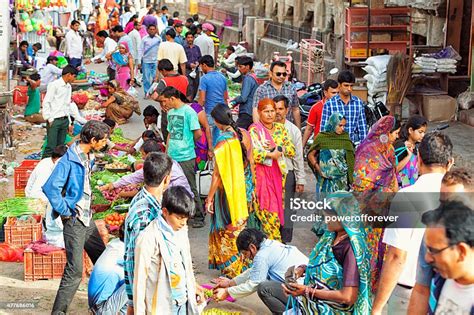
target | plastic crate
[
  {"x": 45, "y": 267},
  {"x": 22, "y": 174},
  {"x": 20, "y": 97},
  {"x": 22, "y": 235}
]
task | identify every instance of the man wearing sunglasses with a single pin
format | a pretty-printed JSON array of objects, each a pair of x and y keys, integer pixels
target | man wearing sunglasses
[
  {"x": 449, "y": 242},
  {"x": 399, "y": 267},
  {"x": 277, "y": 85}
]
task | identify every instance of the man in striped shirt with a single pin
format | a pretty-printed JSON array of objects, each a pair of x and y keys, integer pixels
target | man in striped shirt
[
  {"x": 145, "y": 207},
  {"x": 348, "y": 105}
]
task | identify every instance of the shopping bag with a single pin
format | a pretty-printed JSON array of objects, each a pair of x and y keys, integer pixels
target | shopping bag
[{"x": 203, "y": 179}]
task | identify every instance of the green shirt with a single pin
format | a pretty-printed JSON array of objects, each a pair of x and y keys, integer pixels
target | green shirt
[
  {"x": 181, "y": 124},
  {"x": 34, "y": 102}
]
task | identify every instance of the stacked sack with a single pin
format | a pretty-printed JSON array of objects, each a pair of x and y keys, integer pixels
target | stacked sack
[
  {"x": 377, "y": 77},
  {"x": 425, "y": 64}
]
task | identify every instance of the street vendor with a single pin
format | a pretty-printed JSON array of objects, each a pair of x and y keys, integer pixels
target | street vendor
[
  {"x": 32, "y": 109},
  {"x": 120, "y": 106},
  {"x": 21, "y": 54},
  {"x": 150, "y": 145}
]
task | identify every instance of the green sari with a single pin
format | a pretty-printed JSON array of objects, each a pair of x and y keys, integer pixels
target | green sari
[
  {"x": 336, "y": 158},
  {"x": 325, "y": 272}
]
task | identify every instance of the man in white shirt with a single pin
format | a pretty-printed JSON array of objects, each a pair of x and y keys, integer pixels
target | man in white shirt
[
  {"x": 136, "y": 42},
  {"x": 41, "y": 173},
  {"x": 86, "y": 10},
  {"x": 228, "y": 61},
  {"x": 57, "y": 109},
  {"x": 205, "y": 43},
  {"x": 53, "y": 233},
  {"x": 399, "y": 267},
  {"x": 450, "y": 250},
  {"x": 172, "y": 51},
  {"x": 125, "y": 17},
  {"x": 50, "y": 72},
  {"x": 74, "y": 45},
  {"x": 109, "y": 46},
  {"x": 295, "y": 179}
]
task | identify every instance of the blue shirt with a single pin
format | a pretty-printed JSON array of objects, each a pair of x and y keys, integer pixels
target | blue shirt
[
  {"x": 356, "y": 125},
  {"x": 107, "y": 275},
  {"x": 273, "y": 259},
  {"x": 182, "y": 122},
  {"x": 148, "y": 50},
  {"x": 214, "y": 84},
  {"x": 245, "y": 99},
  {"x": 179, "y": 39}
]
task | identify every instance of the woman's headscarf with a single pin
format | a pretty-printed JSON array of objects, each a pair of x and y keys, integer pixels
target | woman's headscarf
[
  {"x": 378, "y": 133},
  {"x": 375, "y": 158},
  {"x": 115, "y": 84},
  {"x": 329, "y": 139},
  {"x": 333, "y": 122},
  {"x": 346, "y": 205},
  {"x": 118, "y": 58}
]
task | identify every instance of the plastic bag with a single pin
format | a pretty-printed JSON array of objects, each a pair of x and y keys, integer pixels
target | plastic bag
[{"x": 132, "y": 91}]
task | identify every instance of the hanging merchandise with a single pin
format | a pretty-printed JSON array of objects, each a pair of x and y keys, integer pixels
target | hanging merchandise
[{"x": 29, "y": 5}]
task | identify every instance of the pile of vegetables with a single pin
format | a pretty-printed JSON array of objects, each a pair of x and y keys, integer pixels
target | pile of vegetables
[
  {"x": 103, "y": 178},
  {"x": 10, "y": 254},
  {"x": 18, "y": 206},
  {"x": 113, "y": 194},
  {"x": 115, "y": 219},
  {"x": 116, "y": 165},
  {"x": 233, "y": 88},
  {"x": 117, "y": 136}
]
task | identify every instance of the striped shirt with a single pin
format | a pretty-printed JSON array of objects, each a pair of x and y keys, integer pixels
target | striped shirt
[
  {"x": 356, "y": 125},
  {"x": 143, "y": 209}
]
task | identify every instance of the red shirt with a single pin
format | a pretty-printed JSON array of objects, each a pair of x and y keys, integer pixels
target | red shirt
[
  {"x": 179, "y": 82},
  {"x": 315, "y": 115}
]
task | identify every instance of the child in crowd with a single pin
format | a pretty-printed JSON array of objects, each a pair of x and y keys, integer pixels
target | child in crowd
[
  {"x": 184, "y": 129},
  {"x": 32, "y": 109},
  {"x": 406, "y": 152},
  {"x": 150, "y": 119},
  {"x": 164, "y": 280}
]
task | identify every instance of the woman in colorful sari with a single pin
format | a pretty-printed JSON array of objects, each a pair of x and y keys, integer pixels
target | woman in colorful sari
[
  {"x": 120, "y": 106},
  {"x": 225, "y": 203},
  {"x": 375, "y": 182},
  {"x": 332, "y": 157},
  {"x": 124, "y": 65},
  {"x": 271, "y": 143},
  {"x": 337, "y": 275}
]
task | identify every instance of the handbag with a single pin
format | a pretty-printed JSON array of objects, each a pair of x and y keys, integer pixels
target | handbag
[
  {"x": 292, "y": 307},
  {"x": 204, "y": 179}
]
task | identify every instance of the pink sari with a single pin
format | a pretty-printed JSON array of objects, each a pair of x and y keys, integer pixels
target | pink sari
[
  {"x": 123, "y": 70},
  {"x": 269, "y": 181}
]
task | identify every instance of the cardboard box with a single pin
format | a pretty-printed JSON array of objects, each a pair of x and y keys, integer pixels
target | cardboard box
[
  {"x": 381, "y": 37},
  {"x": 439, "y": 107},
  {"x": 357, "y": 53}
]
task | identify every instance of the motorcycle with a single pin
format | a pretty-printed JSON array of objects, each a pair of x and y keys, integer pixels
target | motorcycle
[{"x": 375, "y": 110}]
